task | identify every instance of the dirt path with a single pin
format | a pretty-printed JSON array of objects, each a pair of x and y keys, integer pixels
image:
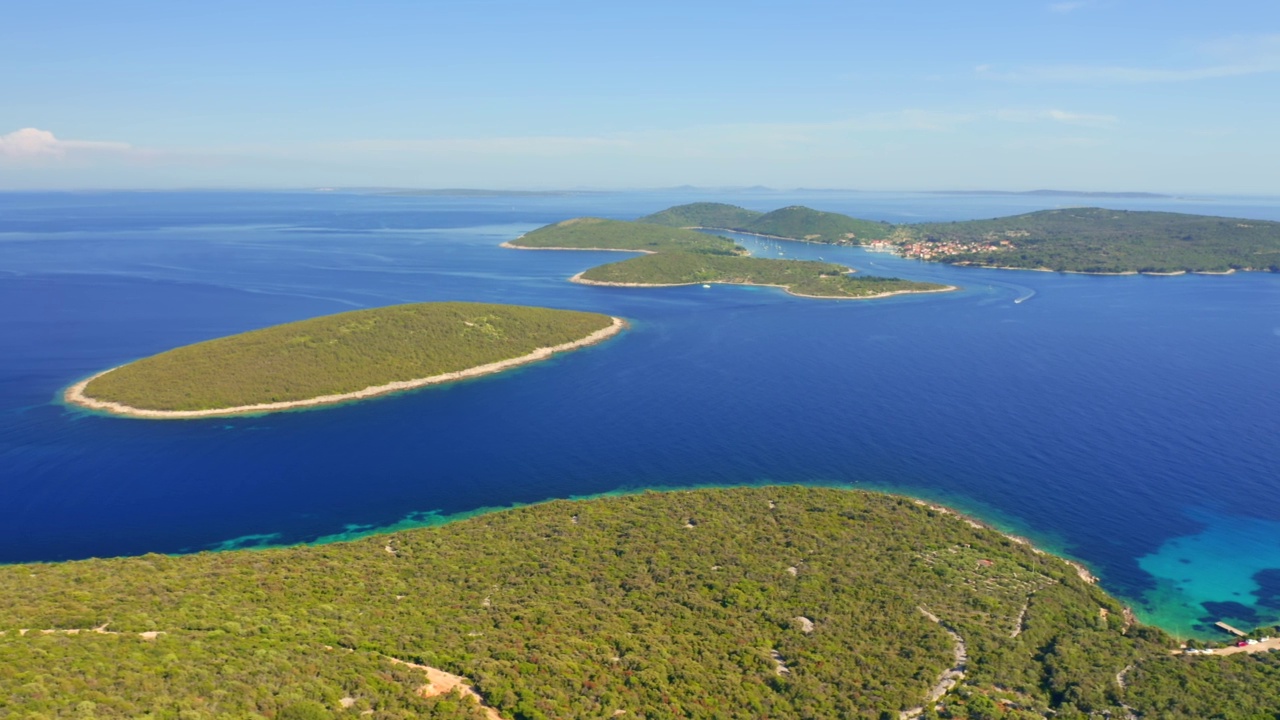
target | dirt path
[
  {"x": 949, "y": 678},
  {"x": 440, "y": 682},
  {"x": 1262, "y": 646}
]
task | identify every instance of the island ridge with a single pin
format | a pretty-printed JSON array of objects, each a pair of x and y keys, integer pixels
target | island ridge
[{"x": 337, "y": 358}]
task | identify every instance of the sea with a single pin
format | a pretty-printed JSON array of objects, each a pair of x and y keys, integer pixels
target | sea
[{"x": 1128, "y": 422}]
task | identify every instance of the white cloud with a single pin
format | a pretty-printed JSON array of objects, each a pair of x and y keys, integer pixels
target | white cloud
[
  {"x": 31, "y": 143},
  {"x": 1059, "y": 116},
  {"x": 1226, "y": 57}
]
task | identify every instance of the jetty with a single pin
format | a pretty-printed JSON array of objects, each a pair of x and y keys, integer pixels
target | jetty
[{"x": 1228, "y": 628}]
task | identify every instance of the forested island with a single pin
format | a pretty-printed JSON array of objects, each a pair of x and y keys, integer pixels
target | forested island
[
  {"x": 779, "y": 602},
  {"x": 805, "y": 278},
  {"x": 337, "y": 358},
  {"x": 680, "y": 256},
  {"x": 1087, "y": 240}
]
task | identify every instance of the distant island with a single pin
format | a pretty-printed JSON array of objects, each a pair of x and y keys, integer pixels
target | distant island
[
  {"x": 680, "y": 256},
  {"x": 1085, "y": 240},
  {"x": 1058, "y": 193},
  {"x": 780, "y": 602},
  {"x": 338, "y": 358}
]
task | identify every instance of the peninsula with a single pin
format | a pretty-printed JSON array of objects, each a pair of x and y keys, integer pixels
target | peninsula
[
  {"x": 1098, "y": 240},
  {"x": 1083, "y": 240},
  {"x": 339, "y": 358},
  {"x": 785, "y": 602},
  {"x": 803, "y": 278},
  {"x": 680, "y": 256}
]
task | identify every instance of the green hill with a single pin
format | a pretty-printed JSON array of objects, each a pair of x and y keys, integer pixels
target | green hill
[
  {"x": 779, "y": 602},
  {"x": 338, "y": 354},
  {"x": 1101, "y": 240},
  {"x": 801, "y": 223},
  {"x": 703, "y": 215},
  {"x": 800, "y": 277},
  {"x": 597, "y": 233}
]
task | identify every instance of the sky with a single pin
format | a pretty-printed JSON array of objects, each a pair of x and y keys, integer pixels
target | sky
[{"x": 1178, "y": 96}]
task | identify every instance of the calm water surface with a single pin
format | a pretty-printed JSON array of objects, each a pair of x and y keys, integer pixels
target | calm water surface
[{"x": 1130, "y": 422}]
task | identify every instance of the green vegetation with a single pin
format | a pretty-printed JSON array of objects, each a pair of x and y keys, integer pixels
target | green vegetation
[
  {"x": 795, "y": 222},
  {"x": 1077, "y": 239},
  {"x": 1099, "y": 240},
  {"x": 681, "y": 257},
  {"x": 597, "y": 233},
  {"x": 785, "y": 602},
  {"x": 802, "y": 223},
  {"x": 799, "y": 277},
  {"x": 339, "y": 353},
  {"x": 703, "y": 215}
]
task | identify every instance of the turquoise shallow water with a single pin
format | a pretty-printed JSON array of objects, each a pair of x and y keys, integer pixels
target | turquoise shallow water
[{"x": 1127, "y": 421}]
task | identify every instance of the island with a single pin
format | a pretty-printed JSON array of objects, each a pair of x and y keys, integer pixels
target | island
[
  {"x": 588, "y": 233},
  {"x": 803, "y": 278},
  {"x": 339, "y": 358},
  {"x": 680, "y": 256},
  {"x": 780, "y": 602},
  {"x": 1081, "y": 240}
]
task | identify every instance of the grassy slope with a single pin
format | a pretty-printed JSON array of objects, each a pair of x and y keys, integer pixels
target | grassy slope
[
  {"x": 665, "y": 605},
  {"x": 704, "y": 215},
  {"x": 620, "y": 235},
  {"x": 802, "y": 277},
  {"x": 1099, "y": 240},
  {"x": 339, "y": 353}
]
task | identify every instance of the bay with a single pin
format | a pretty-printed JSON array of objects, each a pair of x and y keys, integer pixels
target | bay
[{"x": 1128, "y": 422}]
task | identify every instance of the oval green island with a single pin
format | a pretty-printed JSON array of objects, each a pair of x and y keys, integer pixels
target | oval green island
[{"x": 339, "y": 358}]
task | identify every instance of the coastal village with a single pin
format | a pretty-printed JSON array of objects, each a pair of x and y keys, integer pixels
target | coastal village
[{"x": 917, "y": 249}]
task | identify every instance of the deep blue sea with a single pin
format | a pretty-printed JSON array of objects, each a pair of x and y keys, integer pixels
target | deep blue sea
[{"x": 1130, "y": 422}]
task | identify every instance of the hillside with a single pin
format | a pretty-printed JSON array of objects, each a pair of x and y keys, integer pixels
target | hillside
[
  {"x": 601, "y": 234},
  {"x": 800, "y": 277},
  {"x": 802, "y": 223},
  {"x": 1100, "y": 240},
  {"x": 795, "y": 222},
  {"x": 703, "y": 215},
  {"x": 338, "y": 354},
  {"x": 786, "y": 602}
]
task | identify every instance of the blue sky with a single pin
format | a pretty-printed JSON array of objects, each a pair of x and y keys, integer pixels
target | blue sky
[{"x": 1171, "y": 95}]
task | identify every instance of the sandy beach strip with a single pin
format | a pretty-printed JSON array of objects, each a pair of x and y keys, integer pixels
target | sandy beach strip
[
  {"x": 600, "y": 283},
  {"x": 509, "y": 246},
  {"x": 76, "y": 393}
]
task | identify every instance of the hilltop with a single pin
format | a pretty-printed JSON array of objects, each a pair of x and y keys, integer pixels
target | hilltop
[
  {"x": 339, "y": 357},
  {"x": 786, "y": 602},
  {"x": 795, "y": 222},
  {"x": 703, "y": 215}
]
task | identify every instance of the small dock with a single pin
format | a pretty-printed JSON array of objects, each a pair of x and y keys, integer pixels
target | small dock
[{"x": 1228, "y": 628}]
